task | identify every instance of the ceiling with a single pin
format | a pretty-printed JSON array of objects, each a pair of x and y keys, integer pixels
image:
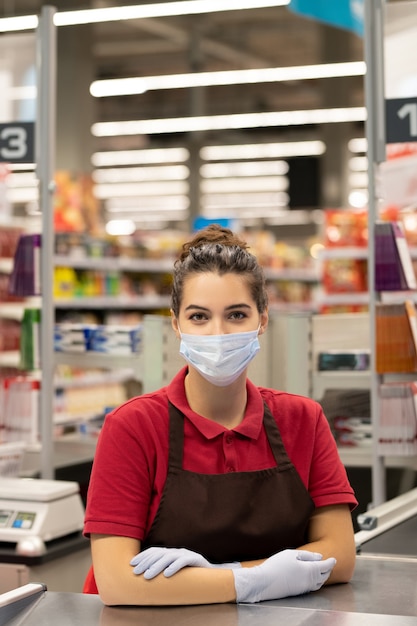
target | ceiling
[
  {"x": 258, "y": 38},
  {"x": 229, "y": 40}
]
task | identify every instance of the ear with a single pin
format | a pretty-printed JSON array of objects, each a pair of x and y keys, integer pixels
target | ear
[
  {"x": 174, "y": 324},
  {"x": 263, "y": 322}
]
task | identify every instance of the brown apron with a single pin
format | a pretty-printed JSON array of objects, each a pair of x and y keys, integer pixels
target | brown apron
[{"x": 238, "y": 516}]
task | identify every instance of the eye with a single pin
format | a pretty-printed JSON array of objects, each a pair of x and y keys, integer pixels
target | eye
[
  {"x": 237, "y": 315},
  {"x": 197, "y": 317}
]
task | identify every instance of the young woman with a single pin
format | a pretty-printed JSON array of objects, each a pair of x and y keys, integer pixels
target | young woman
[{"x": 213, "y": 490}]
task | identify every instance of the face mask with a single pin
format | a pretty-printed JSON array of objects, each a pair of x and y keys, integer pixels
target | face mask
[{"x": 220, "y": 359}]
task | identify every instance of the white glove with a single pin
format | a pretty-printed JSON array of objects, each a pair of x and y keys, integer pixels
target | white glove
[
  {"x": 287, "y": 573},
  {"x": 153, "y": 561}
]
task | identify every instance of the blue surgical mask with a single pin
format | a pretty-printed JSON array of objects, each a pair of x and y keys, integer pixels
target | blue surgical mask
[{"x": 220, "y": 359}]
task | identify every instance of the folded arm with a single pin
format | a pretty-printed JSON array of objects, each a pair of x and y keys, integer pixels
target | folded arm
[
  {"x": 331, "y": 534},
  {"x": 330, "y": 537},
  {"x": 117, "y": 583}
]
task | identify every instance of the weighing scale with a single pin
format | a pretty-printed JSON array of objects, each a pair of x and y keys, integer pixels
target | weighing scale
[{"x": 35, "y": 511}]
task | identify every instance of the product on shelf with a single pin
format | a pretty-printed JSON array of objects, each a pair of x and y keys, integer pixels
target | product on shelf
[
  {"x": 395, "y": 346},
  {"x": 398, "y": 423},
  {"x": 25, "y": 276},
  {"x": 393, "y": 265},
  {"x": 107, "y": 339},
  {"x": 19, "y": 412},
  {"x": 345, "y": 227}
]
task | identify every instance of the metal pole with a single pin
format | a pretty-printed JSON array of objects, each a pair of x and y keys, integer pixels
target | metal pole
[
  {"x": 45, "y": 164},
  {"x": 375, "y": 133}
]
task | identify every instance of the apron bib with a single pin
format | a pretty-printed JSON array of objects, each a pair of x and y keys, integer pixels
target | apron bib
[{"x": 238, "y": 516}]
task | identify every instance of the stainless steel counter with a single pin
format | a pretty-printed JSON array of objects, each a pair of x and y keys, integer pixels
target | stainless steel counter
[{"x": 383, "y": 592}]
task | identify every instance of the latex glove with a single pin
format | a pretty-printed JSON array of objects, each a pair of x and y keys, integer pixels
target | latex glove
[
  {"x": 153, "y": 561},
  {"x": 287, "y": 573}
]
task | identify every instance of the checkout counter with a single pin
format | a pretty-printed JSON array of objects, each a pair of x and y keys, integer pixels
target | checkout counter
[{"x": 383, "y": 592}]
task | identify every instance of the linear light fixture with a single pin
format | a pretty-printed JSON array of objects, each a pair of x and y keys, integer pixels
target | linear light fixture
[
  {"x": 145, "y": 156},
  {"x": 138, "y": 85},
  {"x": 162, "y": 188},
  {"x": 244, "y": 168},
  {"x": 248, "y": 184},
  {"x": 359, "y": 144},
  {"x": 132, "y": 204},
  {"x": 137, "y": 12},
  {"x": 274, "y": 150},
  {"x": 228, "y": 122},
  {"x": 138, "y": 174}
]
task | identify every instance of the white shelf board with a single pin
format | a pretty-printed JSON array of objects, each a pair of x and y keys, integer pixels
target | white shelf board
[
  {"x": 6, "y": 265},
  {"x": 10, "y": 358},
  {"x": 344, "y": 379},
  {"x": 90, "y": 380},
  {"x": 95, "y": 360},
  {"x": 114, "y": 302},
  {"x": 112, "y": 264},
  {"x": 305, "y": 275},
  {"x": 362, "y": 457},
  {"x": 344, "y": 252}
]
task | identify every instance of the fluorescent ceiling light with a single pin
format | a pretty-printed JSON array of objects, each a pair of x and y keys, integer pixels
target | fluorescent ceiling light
[
  {"x": 137, "y": 157},
  {"x": 129, "y": 86},
  {"x": 21, "y": 93},
  {"x": 162, "y": 9},
  {"x": 147, "y": 203},
  {"x": 263, "y": 150},
  {"x": 359, "y": 144},
  {"x": 358, "y": 164},
  {"x": 21, "y": 195},
  {"x": 22, "y": 179},
  {"x": 138, "y": 174},
  {"x": 23, "y": 22},
  {"x": 228, "y": 122},
  {"x": 229, "y": 185},
  {"x": 260, "y": 199},
  {"x": 16, "y": 167},
  {"x": 137, "y": 12},
  {"x": 358, "y": 180},
  {"x": 241, "y": 213},
  {"x": 140, "y": 189},
  {"x": 245, "y": 168}
]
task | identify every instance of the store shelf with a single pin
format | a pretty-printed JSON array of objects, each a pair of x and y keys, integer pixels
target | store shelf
[
  {"x": 344, "y": 252},
  {"x": 115, "y": 302},
  {"x": 10, "y": 359},
  {"x": 93, "y": 360},
  {"x": 324, "y": 381},
  {"x": 118, "y": 375},
  {"x": 6, "y": 266},
  {"x": 115, "y": 264},
  {"x": 332, "y": 299},
  {"x": 362, "y": 457},
  {"x": 307, "y": 275}
]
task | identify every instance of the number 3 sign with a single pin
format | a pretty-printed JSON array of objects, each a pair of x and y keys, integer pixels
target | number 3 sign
[{"x": 17, "y": 142}]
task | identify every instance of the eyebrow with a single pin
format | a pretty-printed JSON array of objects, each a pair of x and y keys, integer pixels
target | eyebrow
[{"x": 242, "y": 305}]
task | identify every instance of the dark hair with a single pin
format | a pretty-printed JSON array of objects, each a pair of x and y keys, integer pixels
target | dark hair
[{"x": 217, "y": 249}]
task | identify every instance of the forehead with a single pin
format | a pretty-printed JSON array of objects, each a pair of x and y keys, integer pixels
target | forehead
[{"x": 208, "y": 288}]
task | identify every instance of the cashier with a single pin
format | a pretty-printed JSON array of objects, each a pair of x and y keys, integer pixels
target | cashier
[{"x": 211, "y": 489}]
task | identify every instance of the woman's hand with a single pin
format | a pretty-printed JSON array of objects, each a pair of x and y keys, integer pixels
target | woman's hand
[
  {"x": 153, "y": 561},
  {"x": 287, "y": 573}
]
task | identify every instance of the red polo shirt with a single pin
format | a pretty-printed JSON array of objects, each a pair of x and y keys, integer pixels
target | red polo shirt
[{"x": 131, "y": 460}]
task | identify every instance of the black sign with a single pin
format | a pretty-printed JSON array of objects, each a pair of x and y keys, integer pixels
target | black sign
[
  {"x": 401, "y": 120},
  {"x": 17, "y": 142}
]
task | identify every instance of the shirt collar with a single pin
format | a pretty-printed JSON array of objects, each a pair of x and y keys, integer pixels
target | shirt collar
[{"x": 252, "y": 422}]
